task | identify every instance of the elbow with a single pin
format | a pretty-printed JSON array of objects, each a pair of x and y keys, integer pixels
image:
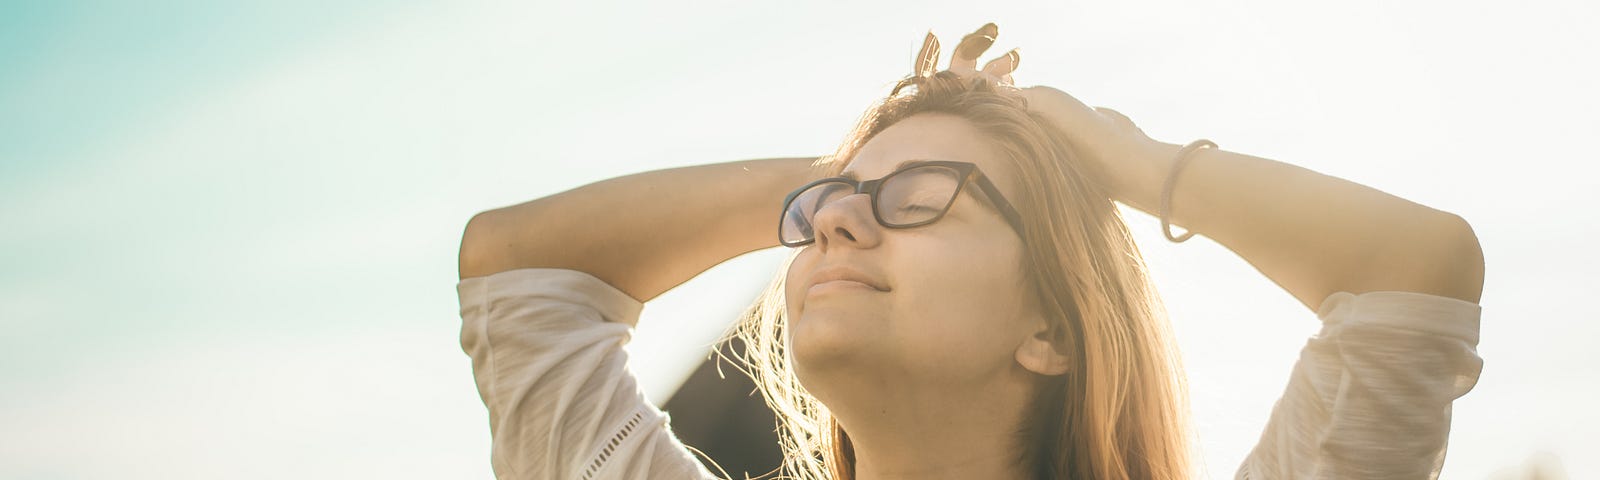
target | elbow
[
  {"x": 1459, "y": 260},
  {"x": 1436, "y": 255},
  {"x": 473, "y": 258}
]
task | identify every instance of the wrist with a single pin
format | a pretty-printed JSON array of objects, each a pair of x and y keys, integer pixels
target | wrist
[{"x": 1139, "y": 185}]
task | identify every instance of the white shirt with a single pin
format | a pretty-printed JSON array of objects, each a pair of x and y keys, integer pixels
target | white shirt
[{"x": 1369, "y": 398}]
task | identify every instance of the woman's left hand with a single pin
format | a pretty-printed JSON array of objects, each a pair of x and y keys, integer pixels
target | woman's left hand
[{"x": 1116, "y": 150}]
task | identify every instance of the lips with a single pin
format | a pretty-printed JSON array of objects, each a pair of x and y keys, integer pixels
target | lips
[{"x": 829, "y": 274}]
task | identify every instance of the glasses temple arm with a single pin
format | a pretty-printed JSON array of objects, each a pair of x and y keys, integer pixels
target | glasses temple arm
[{"x": 1000, "y": 203}]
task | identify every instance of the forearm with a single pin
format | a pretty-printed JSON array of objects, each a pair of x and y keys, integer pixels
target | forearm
[
  {"x": 1312, "y": 234},
  {"x": 643, "y": 233}
]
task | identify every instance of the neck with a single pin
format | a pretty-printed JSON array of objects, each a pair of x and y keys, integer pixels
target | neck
[{"x": 940, "y": 433}]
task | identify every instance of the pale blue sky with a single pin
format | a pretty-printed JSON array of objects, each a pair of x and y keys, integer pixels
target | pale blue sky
[{"x": 230, "y": 231}]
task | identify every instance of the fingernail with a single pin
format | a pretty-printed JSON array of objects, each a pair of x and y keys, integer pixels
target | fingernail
[
  {"x": 1016, "y": 57},
  {"x": 989, "y": 29}
]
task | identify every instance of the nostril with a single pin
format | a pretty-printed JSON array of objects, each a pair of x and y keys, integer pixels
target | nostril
[{"x": 847, "y": 235}]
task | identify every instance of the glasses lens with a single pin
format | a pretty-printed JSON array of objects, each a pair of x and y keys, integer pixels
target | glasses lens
[
  {"x": 797, "y": 216},
  {"x": 917, "y": 195}
]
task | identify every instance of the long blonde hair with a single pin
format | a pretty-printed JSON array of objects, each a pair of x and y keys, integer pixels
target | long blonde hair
[{"x": 1122, "y": 410}]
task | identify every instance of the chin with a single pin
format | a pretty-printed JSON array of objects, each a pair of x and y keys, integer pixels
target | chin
[{"x": 825, "y": 340}]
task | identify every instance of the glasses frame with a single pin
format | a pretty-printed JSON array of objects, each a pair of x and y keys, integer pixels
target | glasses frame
[{"x": 969, "y": 173}]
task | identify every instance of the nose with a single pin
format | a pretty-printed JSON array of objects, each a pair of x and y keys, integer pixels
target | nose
[{"x": 847, "y": 221}]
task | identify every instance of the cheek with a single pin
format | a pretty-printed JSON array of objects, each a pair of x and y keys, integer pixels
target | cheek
[
  {"x": 960, "y": 311},
  {"x": 958, "y": 299},
  {"x": 965, "y": 275},
  {"x": 794, "y": 280}
]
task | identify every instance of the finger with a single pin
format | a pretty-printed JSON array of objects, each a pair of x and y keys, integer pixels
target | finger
[
  {"x": 1000, "y": 67},
  {"x": 963, "y": 64},
  {"x": 965, "y": 58},
  {"x": 927, "y": 60}
]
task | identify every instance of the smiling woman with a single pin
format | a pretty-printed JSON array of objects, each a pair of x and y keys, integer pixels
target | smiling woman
[
  {"x": 1063, "y": 368},
  {"x": 965, "y": 301}
]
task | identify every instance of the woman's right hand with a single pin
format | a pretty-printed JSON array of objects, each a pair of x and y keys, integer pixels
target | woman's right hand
[{"x": 964, "y": 61}]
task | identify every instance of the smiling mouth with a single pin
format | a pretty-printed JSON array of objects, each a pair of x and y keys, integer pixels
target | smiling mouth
[{"x": 840, "y": 286}]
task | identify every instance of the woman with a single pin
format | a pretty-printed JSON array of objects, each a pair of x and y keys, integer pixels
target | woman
[{"x": 964, "y": 300}]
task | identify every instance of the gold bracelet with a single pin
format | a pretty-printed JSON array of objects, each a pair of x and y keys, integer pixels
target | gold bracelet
[{"x": 1166, "y": 189}]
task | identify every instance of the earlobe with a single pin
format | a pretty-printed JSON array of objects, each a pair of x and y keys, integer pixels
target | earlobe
[{"x": 1037, "y": 355}]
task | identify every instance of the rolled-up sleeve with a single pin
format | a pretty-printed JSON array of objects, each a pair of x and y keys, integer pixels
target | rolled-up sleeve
[
  {"x": 1370, "y": 396},
  {"x": 547, "y": 357}
]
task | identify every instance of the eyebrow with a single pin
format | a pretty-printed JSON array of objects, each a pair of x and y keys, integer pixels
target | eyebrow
[{"x": 897, "y": 167}]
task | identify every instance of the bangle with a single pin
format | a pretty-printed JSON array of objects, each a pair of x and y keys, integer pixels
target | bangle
[{"x": 1166, "y": 189}]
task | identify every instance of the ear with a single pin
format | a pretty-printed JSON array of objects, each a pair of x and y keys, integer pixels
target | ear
[{"x": 1038, "y": 354}]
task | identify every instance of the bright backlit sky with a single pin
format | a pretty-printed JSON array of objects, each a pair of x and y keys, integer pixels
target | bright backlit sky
[{"x": 229, "y": 233}]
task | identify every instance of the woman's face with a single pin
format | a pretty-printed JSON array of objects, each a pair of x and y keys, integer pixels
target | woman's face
[{"x": 955, "y": 308}]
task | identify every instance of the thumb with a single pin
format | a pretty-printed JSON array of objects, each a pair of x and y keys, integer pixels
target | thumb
[
  {"x": 1113, "y": 114},
  {"x": 1118, "y": 118}
]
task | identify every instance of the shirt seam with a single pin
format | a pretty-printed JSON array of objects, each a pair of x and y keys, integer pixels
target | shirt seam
[{"x": 484, "y": 315}]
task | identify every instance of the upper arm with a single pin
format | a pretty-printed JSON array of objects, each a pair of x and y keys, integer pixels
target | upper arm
[
  {"x": 535, "y": 236},
  {"x": 643, "y": 233}
]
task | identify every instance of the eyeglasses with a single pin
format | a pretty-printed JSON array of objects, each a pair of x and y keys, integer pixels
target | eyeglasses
[{"x": 918, "y": 194}]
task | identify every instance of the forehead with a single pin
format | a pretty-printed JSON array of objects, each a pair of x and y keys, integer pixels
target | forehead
[{"x": 929, "y": 137}]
